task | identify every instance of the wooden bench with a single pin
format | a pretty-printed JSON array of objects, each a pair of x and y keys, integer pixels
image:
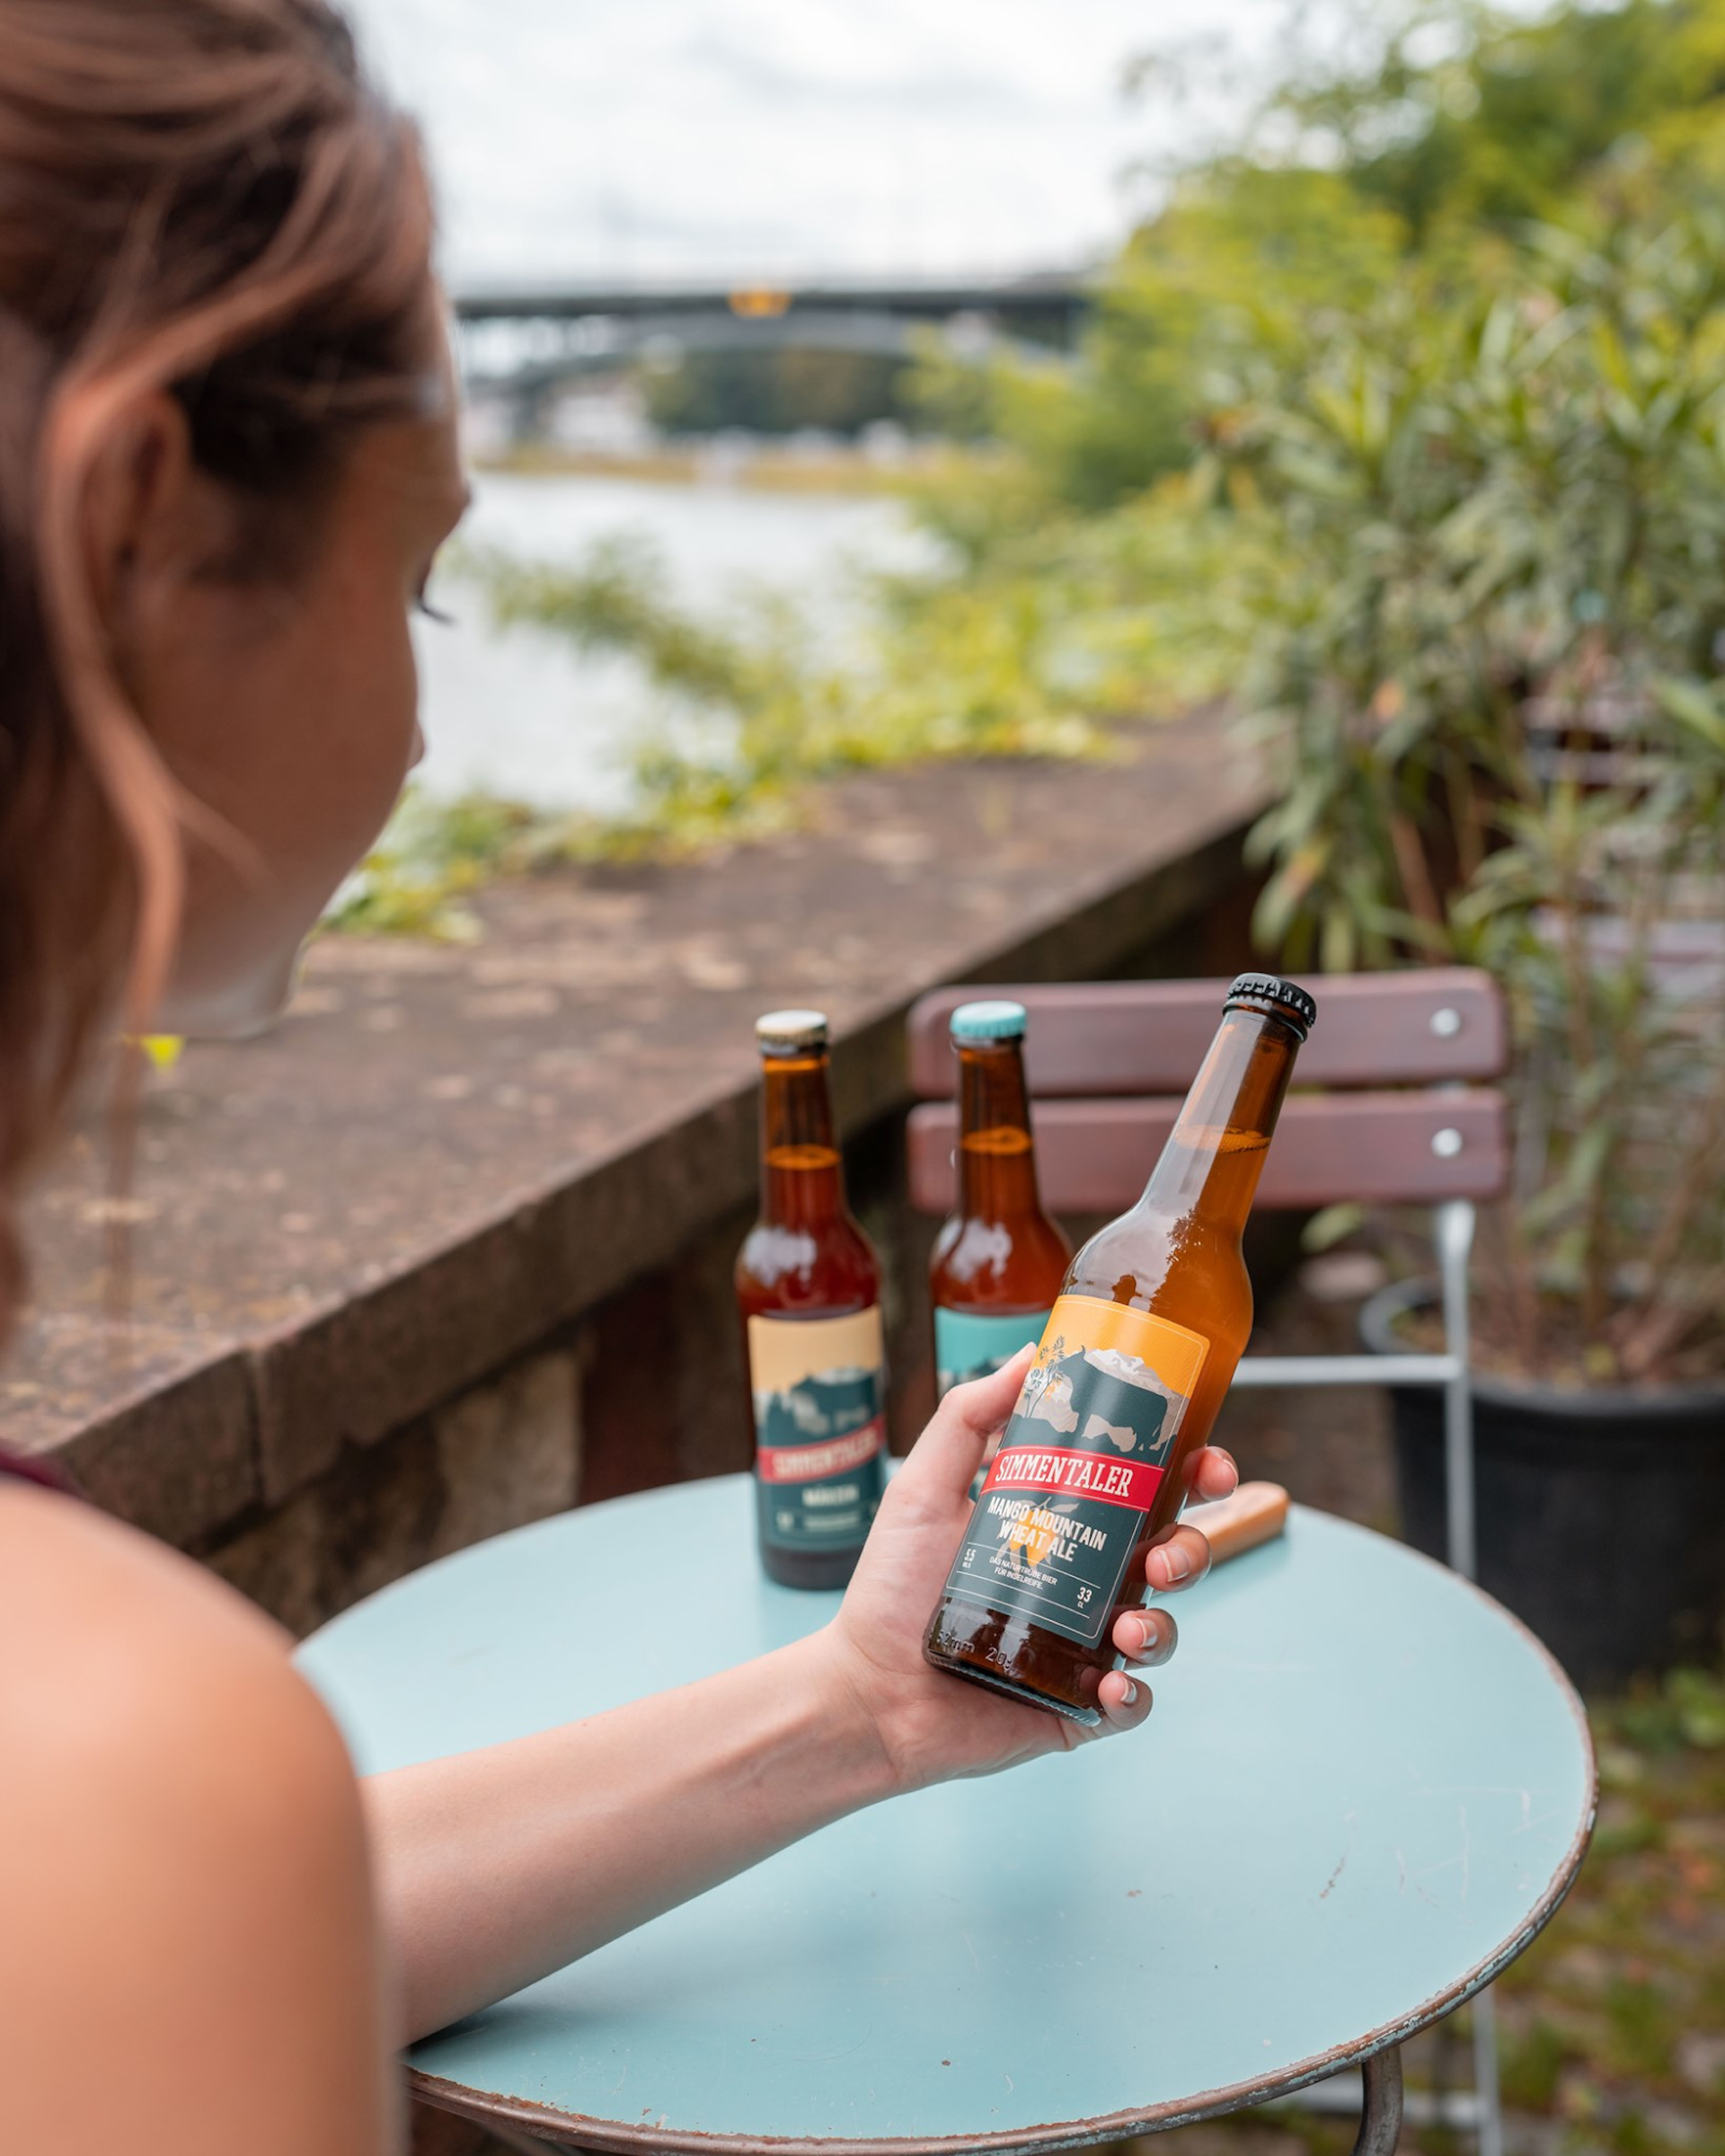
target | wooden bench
[{"x": 1109, "y": 1063}]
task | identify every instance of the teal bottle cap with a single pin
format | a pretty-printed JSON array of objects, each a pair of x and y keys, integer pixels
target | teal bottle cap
[{"x": 999, "y": 1021}]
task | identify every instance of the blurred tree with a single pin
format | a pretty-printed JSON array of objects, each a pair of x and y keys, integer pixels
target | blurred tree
[
  {"x": 776, "y": 391},
  {"x": 1475, "y": 118},
  {"x": 1241, "y": 255},
  {"x": 1464, "y": 123}
]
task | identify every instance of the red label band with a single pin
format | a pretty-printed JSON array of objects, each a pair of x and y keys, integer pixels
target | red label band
[
  {"x": 813, "y": 1462},
  {"x": 1055, "y": 1471}
]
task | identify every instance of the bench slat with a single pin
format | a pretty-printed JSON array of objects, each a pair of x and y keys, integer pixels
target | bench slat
[
  {"x": 1095, "y": 1156},
  {"x": 1113, "y": 1037}
]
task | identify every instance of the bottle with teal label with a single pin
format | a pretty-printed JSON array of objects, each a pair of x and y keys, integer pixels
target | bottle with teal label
[
  {"x": 809, "y": 1293},
  {"x": 999, "y": 1260}
]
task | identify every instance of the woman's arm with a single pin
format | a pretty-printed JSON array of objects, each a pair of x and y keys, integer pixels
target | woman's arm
[{"x": 499, "y": 1866}]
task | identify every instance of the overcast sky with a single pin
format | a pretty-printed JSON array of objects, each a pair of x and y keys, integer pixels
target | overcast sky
[{"x": 631, "y": 138}]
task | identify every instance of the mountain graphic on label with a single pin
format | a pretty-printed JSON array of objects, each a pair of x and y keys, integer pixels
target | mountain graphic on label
[
  {"x": 827, "y": 1405},
  {"x": 1093, "y": 1398}
]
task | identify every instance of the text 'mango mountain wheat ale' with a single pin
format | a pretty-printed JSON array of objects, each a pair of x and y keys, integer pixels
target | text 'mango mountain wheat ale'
[
  {"x": 1136, "y": 1355},
  {"x": 999, "y": 1260},
  {"x": 809, "y": 1290}
]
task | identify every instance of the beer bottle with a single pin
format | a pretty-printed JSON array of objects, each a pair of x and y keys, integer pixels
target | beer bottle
[
  {"x": 998, "y": 1261},
  {"x": 809, "y": 1290},
  {"x": 1133, "y": 1361}
]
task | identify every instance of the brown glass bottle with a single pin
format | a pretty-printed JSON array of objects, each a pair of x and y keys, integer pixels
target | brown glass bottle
[
  {"x": 999, "y": 1260},
  {"x": 808, "y": 1291},
  {"x": 1138, "y": 1353}
]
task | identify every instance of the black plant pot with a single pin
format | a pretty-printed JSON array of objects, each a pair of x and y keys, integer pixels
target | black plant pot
[{"x": 1600, "y": 1516}]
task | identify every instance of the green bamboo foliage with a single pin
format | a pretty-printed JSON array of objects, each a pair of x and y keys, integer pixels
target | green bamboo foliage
[{"x": 1490, "y": 603}]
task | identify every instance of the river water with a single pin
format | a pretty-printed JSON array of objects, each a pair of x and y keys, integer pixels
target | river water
[{"x": 519, "y": 713}]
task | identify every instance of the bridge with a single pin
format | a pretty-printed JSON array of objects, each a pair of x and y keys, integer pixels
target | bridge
[
  {"x": 1045, "y": 307},
  {"x": 522, "y": 340}
]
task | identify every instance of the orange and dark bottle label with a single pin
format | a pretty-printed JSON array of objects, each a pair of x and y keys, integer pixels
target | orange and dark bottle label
[
  {"x": 1065, "y": 1497},
  {"x": 819, "y": 1398}
]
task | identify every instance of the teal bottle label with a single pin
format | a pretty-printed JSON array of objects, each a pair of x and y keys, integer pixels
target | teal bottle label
[
  {"x": 970, "y": 1345},
  {"x": 820, "y": 1433}
]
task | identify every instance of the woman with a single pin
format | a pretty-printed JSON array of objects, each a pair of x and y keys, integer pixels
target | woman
[{"x": 228, "y": 460}]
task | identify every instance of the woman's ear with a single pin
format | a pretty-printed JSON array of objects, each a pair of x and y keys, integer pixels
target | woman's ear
[{"x": 151, "y": 522}]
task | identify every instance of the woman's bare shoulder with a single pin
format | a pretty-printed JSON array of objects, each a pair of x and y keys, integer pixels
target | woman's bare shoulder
[
  {"x": 58, "y": 1549},
  {"x": 112, "y": 1637},
  {"x": 181, "y": 1843}
]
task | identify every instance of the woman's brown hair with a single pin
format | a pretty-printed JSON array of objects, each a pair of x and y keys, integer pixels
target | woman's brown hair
[{"x": 203, "y": 196}]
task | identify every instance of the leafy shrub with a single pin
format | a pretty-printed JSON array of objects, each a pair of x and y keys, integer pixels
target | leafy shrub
[{"x": 1487, "y": 585}]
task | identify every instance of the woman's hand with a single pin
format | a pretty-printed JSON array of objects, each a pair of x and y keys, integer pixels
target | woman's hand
[{"x": 933, "y": 1727}]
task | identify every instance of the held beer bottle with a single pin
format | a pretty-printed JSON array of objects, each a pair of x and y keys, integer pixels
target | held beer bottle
[
  {"x": 1136, "y": 1355},
  {"x": 999, "y": 1260},
  {"x": 809, "y": 1290}
]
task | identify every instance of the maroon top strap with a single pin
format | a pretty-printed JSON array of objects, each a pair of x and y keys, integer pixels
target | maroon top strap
[{"x": 13, "y": 1468}]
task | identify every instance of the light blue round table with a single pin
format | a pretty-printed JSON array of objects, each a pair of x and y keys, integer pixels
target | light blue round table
[{"x": 1363, "y": 1790}]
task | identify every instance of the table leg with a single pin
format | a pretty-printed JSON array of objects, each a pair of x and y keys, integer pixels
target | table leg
[
  {"x": 525, "y": 2145},
  {"x": 1380, "y": 2110},
  {"x": 1487, "y": 2104}
]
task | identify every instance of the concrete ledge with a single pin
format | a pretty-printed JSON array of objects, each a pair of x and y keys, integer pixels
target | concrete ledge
[
  {"x": 156, "y": 1428},
  {"x": 446, "y": 1153}
]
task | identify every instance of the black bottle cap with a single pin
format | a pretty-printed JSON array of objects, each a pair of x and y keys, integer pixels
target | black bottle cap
[{"x": 1269, "y": 992}]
